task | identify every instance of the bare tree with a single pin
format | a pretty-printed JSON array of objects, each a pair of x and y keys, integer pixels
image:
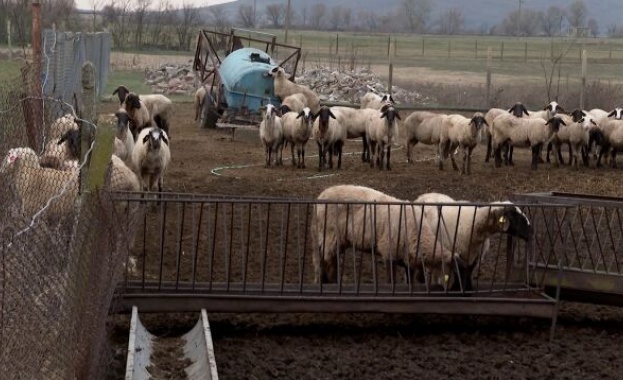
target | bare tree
[
  {"x": 552, "y": 20},
  {"x": 451, "y": 21},
  {"x": 276, "y": 14},
  {"x": 367, "y": 20},
  {"x": 57, "y": 12},
  {"x": 119, "y": 13},
  {"x": 156, "y": 22},
  {"x": 188, "y": 20},
  {"x": 347, "y": 17},
  {"x": 318, "y": 12},
  {"x": 246, "y": 15},
  {"x": 219, "y": 17},
  {"x": 521, "y": 22},
  {"x": 577, "y": 14},
  {"x": 335, "y": 19},
  {"x": 140, "y": 14},
  {"x": 593, "y": 26},
  {"x": 416, "y": 13}
]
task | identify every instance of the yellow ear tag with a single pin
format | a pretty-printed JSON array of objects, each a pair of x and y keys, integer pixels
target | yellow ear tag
[
  {"x": 502, "y": 220},
  {"x": 446, "y": 278}
]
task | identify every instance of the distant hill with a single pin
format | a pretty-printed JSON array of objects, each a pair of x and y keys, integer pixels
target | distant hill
[{"x": 478, "y": 13}]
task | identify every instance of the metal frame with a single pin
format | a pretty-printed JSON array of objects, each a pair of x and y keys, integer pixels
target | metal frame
[{"x": 249, "y": 254}]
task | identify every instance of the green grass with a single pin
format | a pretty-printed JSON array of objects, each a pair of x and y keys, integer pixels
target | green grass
[{"x": 9, "y": 70}]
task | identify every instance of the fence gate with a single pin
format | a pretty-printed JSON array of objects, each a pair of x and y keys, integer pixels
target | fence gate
[
  {"x": 578, "y": 242},
  {"x": 228, "y": 254}
]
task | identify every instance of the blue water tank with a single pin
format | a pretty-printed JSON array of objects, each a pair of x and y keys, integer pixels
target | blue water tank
[{"x": 243, "y": 74}]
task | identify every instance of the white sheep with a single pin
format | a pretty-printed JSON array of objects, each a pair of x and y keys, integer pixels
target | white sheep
[
  {"x": 60, "y": 126},
  {"x": 271, "y": 135},
  {"x": 356, "y": 121},
  {"x": 330, "y": 137},
  {"x": 198, "y": 100},
  {"x": 518, "y": 110},
  {"x": 381, "y": 133},
  {"x": 491, "y": 114},
  {"x": 466, "y": 229},
  {"x": 564, "y": 136},
  {"x": 374, "y": 101},
  {"x": 156, "y": 104},
  {"x": 35, "y": 186},
  {"x": 550, "y": 110},
  {"x": 283, "y": 88},
  {"x": 463, "y": 133},
  {"x": 297, "y": 128},
  {"x": 151, "y": 156},
  {"x": 576, "y": 134},
  {"x": 391, "y": 229},
  {"x": 293, "y": 103},
  {"x": 610, "y": 139},
  {"x": 138, "y": 113},
  {"x": 534, "y": 133},
  {"x": 427, "y": 135},
  {"x": 123, "y": 133}
]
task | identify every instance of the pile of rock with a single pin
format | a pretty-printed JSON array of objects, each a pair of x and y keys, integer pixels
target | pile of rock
[{"x": 331, "y": 85}]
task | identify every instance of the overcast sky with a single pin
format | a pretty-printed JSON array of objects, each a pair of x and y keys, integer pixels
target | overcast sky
[{"x": 88, "y": 4}]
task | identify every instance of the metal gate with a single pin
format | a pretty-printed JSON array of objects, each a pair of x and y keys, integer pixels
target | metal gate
[
  {"x": 579, "y": 245},
  {"x": 228, "y": 254}
]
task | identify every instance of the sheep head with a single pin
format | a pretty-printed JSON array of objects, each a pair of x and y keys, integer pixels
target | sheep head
[
  {"x": 617, "y": 113},
  {"x": 387, "y": 98},
  {"x": 555, "y": 123},
  {"x": 277, "y": 72},
  {"x": 72, "y": 138},
  {"x": 121, "y": 91},
  {"x": 518, "y": 109},
  {"x": 307, "y": 116},
  {"x": 553, "y": 108},
  {"x": 511, "y": 220},
  {"x": 155, "y": 137},
  {"x": 577, "y": 115},
  {"x": 132, "y": 101},
  {"x": 271, "y": 111},
  {"x": 389, "y": 112},
  {"x": 323, "y": 115},
  {"x": 478, "y": 120},
  {"x": 588, "y": 122}
]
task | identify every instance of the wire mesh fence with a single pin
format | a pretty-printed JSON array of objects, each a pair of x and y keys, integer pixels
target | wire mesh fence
[{"x": 61, "y": 249}]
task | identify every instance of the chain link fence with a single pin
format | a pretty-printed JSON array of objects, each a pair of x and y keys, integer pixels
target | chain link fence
[{"x": 62, "y": 250}]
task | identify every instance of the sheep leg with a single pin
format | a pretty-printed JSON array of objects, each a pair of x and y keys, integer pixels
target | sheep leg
[
  {"x": 331, "y": 152},
  {"x": 451, "y": 153},
  {"x": 510, "y": 155},
  {"x": 497, "y": 154},
  {"x": 489, "y": 148},
  {"x": 410, "y": 146},
  {"x": 380, "y": 151},
  {"x": 613, "y": 158},
  {"x": 365, "y": 154},
  {"x": 389, "y": 153},
  {"x": 320, "y": 157},
  {"x": 536, "y": 150},
  {"x": 372, "y": 148},
  {"x": 294, "y": 161},
  {"x": 557, "y": 155},
  {"x": 302, "y": 156},
  {"x": 338, "y": 147}
]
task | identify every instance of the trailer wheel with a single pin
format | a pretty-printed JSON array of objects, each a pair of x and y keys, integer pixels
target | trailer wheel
[{"x": 209, "y": 113}]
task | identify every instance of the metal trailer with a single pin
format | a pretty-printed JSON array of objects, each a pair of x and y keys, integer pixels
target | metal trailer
[{"x": 234, "y": 68}]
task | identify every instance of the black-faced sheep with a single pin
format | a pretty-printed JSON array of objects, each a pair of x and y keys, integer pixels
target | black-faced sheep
[
  {"x": 156, "y": 104},
  {"x": 374, "y": 101},
  {"x": 381, "y": 133},
  {"x": 297, "y": 128},
  {"x": 330, "y": 137},
  {"x": 466, "y": 229},
  {"x": 284, "y": 88},
  {"x": 293, "y": 103},
  {"x": 271, "y": 135},
  {"x": 151, "y": 156},
  {"x": 465, "y": 134},
  {"x": 391, "y": 229},
  {"x": 356, "y": 121},
  {"x": 124, "y": 134}
]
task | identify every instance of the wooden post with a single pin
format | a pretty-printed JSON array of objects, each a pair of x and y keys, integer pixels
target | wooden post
[
  {"x": 551, "y": 50},
  {"x": 8, "y": 39},
  {"x": 337, "y": 43},
  {"x": 502, "y": 51},
  {"x": 287, "y": 23},
  {"x": 584, "y": 68},
  {"x": 88, "y": 112},
  {"x": 476, "y": 50},
  {"x": 525, "y": 52},
  {"x": 449, "y": 48},
  {"x": 488, "y": 91},
  {"x": 423, "y": 45},
  {"x": 395, "y": 47},
  {"x": 391, "y": 74},
  {"x": 389, "y": 45},
  {"x": 33, "y": 107}
]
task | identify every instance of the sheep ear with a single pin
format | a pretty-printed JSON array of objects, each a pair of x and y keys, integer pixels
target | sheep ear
[
  {"x": 331, "y": 114},
  {"x": 563, "y": 122},
  {"x": 560, "y": 109},
  {"x": 397, "y": 116},
  {"x": 301, "y": 114},
  {"x": 593, "y": 121},
  {"x": 612, "y": 113},
  {"x": 546, "y": 107},
  {"x": 275, "y": 69},
  {"x": 116, "y": 91},
  {"x": 165, "y": 139},
  {"x": 525, "y": 110},
  {"x": 145, "y": 138}
]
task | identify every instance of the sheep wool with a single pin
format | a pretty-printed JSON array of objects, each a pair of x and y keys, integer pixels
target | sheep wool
[{"x": 151, "y": 156}]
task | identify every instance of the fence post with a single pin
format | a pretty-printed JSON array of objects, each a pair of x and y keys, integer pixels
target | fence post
[
  {"x": 8, "y": 38},
  {"x": 389, "y": 45},
  {"x": 33, "y": 105},
  {"x": 337, "y": 43},
  {"x": 502, "y": 52},
  {"x": 88, "y": 96},
  {"x": 476, "y": 50},
  {"x": 488, "y": 91},
  {"x": 584, "y": 68},
  {"x": 525, "y": 52},
  {"x": 391, "y": 74},
  {"x": 449, "y": 48},
  {"x": 423, "y": 45}
]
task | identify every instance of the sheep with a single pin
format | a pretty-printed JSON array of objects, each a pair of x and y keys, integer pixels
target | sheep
[
  {"x": 284, "y": 88},
  {"x": 293, "y": 103},
  {"x": 577, "y": 135},
  {"x": 489, "y": 116},
  {"x": 62, "y": 125},
  {"x": 549, "y": 111},
  {"x": 517, "y": 110},
  {"x": 523, "y": 132},
  {"x": 392, "y": 230},
  {"x": 297, "y": 129},
  {"x": 429, "y": 134},
  {"x": 198, "y": 101},
  {"x": 608, "y": 136},
  {"x": 156, "y": 104},
  {"x": 62, "y": 154},
  {"x": 151, "y": 156},
  {"x": 616, "y": 113},
  {"x": 330, "y": 136},
  {"x": 463, "y": 133},
  {"x": 381, "y": 133},
  {"x": 466, "y": 229},
  {"x": 271, "y": 135},
  {"x": 124, "y": 134},
  {"x": 355, "y": 121},
  {"x": 563, "y": 135},
  {"x": 122, "y": 178},
  {"x": 374, "y": 101},
  {"x": 35, "y": 186},
  {"x": 138, "y": 113}
]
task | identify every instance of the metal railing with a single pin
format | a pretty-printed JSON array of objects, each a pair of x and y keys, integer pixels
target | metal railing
[{"x": 244, "y": 254}]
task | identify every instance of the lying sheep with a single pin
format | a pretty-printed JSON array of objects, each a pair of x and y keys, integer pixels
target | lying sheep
[
  {"x": 297, "y": 128},
  {"x": 151, "y": 156},
  {"x": 62, "y": 154},
  {"x": 60, "y": 126},
  {"x": 429, "y": 134},
  {"x": 356, "y": 121},
  {"x": 534, "y": 133},
  {"x": 465, "y": 230},
  {"x": 35, "y": 186},
  {"x": 284, "y": 88},
  {"x": 392, "y": 231},
  {"x": 381, "y": 133},
  {"x": 374, "y": 101},
  {"x": 293, "y": 103},
  {"x": 271, "y": 135},
  {"x": 463, "y": 133},
  {"x": 330, "y": 137}
]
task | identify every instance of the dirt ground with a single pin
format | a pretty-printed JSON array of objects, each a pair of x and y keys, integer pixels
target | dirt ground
[{"x": 324, "y": 346}]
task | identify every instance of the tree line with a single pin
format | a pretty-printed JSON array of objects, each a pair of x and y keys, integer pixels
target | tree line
[{"x": 144, "y": 24}]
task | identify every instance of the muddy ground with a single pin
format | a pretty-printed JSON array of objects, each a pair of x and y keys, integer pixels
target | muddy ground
[{"x": 324, "y": 346}]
